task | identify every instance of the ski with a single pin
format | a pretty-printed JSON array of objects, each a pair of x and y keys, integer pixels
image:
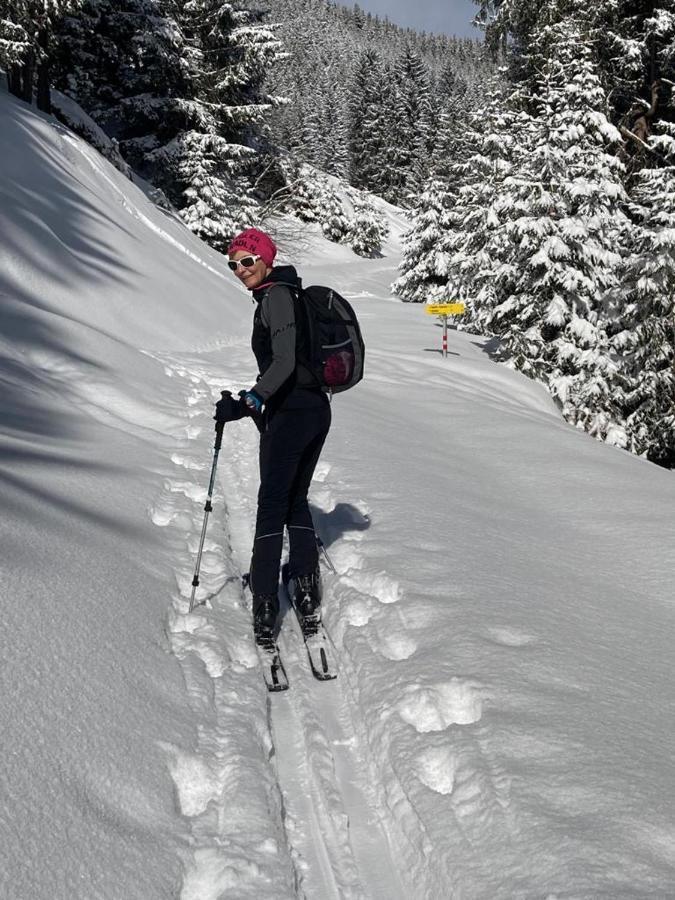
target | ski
[
  {"x": 272, "y": 665},
  {"x": 269, "y": 656},
  {"x": 319, "y": 647}
]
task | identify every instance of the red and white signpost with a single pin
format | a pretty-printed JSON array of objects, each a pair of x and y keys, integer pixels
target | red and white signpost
[{"x": 443, "y": 310}]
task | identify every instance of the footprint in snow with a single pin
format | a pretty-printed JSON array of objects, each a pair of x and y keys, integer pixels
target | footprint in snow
[
  {"x": 186, "y": 462},
  {"x": 377, "y": 584},
  {"x": 194, "y": 492},
  {"x": 510, "y": 637},
  {"x": 167, "y": 512},
  {"x": 436, "y": 768},
  {"x": 358, "y": 610},
  {"x": 395, "y": 646},
  {"x": 434, "y": 708}
]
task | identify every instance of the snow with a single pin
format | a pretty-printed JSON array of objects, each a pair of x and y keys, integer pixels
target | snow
[{"x": 502, "y": 724}]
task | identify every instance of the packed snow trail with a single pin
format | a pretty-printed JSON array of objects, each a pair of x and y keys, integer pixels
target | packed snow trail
[
  {"x": 325, "y": 808},
  {"x": 325, "y": 814}
]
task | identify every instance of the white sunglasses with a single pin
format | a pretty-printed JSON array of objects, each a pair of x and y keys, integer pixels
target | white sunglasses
[{"x": 246, "y": 263}]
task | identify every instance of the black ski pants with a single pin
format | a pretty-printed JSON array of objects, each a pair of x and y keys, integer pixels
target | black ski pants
[{"x": 290, "y": 447}]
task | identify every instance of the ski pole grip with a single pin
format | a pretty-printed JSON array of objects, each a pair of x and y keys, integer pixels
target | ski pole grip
[{"x": 221, "y": 425}]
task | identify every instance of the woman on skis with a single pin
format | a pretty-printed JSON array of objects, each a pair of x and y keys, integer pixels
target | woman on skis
[{"x": 294, "y": 416}]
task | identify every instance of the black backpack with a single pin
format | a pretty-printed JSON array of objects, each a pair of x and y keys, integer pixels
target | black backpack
[{"x": 333, "y": 347}]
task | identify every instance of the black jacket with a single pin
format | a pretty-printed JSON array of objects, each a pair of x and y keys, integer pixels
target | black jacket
[{"x": 278, "y": 342}]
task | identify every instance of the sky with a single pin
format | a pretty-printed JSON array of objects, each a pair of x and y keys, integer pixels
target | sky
[{"x": 449, "y": 16}]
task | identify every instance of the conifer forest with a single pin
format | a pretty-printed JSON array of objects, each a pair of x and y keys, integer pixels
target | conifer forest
[{"x": 537, "y": 166}]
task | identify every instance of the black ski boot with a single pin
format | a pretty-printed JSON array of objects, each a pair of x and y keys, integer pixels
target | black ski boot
[
  {"x": 265, "y": 613},
  {"x": 307, "y": 600}
]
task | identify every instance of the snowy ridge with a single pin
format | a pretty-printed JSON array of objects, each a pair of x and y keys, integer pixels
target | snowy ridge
[{"x": 91, "y": 157}]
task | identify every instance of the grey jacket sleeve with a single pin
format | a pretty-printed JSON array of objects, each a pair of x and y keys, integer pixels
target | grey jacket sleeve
[{"x": 278, "y": 314}]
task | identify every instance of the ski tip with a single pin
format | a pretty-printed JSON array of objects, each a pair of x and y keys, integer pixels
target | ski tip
[{"x": 325, "y": 676}]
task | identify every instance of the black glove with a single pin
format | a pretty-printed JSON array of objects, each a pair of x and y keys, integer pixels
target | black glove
[{"x": 229, "y": 410}]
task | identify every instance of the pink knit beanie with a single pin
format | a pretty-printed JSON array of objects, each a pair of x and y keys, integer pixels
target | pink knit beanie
[{"x": 257, "y": 242}]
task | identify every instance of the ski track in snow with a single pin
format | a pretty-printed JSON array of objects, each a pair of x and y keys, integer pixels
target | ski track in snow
[{"x": 309, "y": 790}]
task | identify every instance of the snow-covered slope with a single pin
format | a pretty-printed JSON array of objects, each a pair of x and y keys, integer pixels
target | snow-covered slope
[
  {"x": 93, "y": 281},
  {"x": 503, "y": 721}
]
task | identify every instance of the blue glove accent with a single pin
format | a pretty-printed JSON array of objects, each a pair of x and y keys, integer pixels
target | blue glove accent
[{"x": 252, "y": 400}]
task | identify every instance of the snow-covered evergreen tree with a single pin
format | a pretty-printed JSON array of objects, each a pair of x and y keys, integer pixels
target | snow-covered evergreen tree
[
  {"x": 398, "y": 153},
  {"x": 14, "y": 38},
  {"x": 418, "y": 133},
  {"x": 367, "y": 230},
  {"x": 124, "y": 62},
  {"x": 334, "y": 220},
  {"x": 646, "y": 297},
  {"x": 179, "y": 84},
  {"x": 425, "y": 262},
  {"x": 311, "y": 198},
  {"x": 227, "y": 53},
  {"x": 26, "y": 29},
  {"x": 333, "y": 138},
  {"x": 367, "y": 123},
  {"x": 565, "y": 220},
  {"x": 491, "y": 148}
]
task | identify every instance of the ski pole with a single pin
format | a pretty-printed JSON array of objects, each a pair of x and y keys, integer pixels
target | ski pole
[
  {"x": 322, "y": 549},
  {"x": 208, "y": 508}
]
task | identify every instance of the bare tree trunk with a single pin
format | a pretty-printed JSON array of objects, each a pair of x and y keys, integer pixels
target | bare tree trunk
[
  {"x": 44, "y": 99},
  {"x": 27, "y": 72},
  {"x": 636, "y": 125},
  {"x": 14, "y": 80}
]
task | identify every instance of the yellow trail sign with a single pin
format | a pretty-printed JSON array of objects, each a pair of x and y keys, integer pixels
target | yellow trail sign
[{"x": 445, "y": 309}]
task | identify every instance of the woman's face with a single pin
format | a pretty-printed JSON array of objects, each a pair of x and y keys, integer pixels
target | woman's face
[{"x": 252, "y": 271}]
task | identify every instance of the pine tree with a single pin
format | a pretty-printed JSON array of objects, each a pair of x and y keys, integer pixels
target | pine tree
[
  {"x": 564, "y": 229},
  {"x": 179, "y": 84},
  {"x": 416, "y": 124},
  {"x": 397, "y": 153},
  {"x": 646, "y": 342},
  {"x": 333, "y": 142},
  {"x": 425, "y": 263},
  {"x": 635, "y": 47},
  {"x": 26, "y": 29},
  {"x": 367, "y": 229},
  {"x": 14, "y": 38},
  {"x": 334, "y": 221},
  {"x": 210, "y": 163},
  {"x": 123, "y": 62},
  {"x": 367, "y": 126},
  {"x": 490, "y": 148},
  {"x": 313, "y": 199}
]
